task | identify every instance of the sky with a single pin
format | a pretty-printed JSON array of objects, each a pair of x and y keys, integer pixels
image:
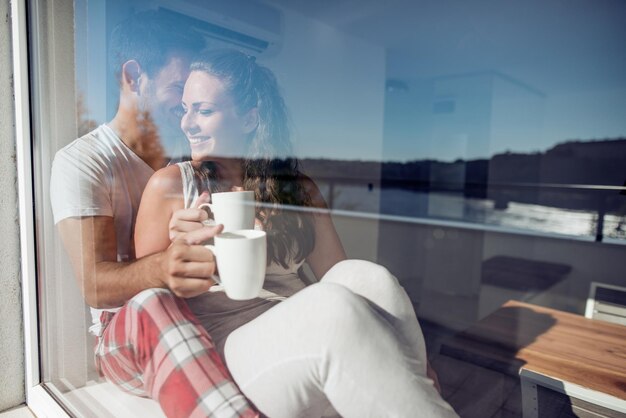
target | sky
[{"x": 485, "y": 79}]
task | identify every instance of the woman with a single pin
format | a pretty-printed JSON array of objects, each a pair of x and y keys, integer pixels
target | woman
[{"x": 352, "y": 340}]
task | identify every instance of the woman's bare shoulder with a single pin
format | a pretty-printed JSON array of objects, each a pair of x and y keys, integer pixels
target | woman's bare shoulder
[{"x": 166, "y": 180}]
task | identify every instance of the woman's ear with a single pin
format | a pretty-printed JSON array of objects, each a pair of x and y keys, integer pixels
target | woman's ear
[
  {"x": 251, "y": 120},
  {"x": 131, "y": 72}
]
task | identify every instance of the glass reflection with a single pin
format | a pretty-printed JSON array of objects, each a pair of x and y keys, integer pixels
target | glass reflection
[{"x": 475, "y": 151}]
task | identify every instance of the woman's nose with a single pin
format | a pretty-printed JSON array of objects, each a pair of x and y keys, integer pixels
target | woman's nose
[{"x": 187, "y": 123}]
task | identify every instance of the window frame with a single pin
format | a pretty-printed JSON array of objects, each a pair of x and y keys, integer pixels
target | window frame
[{"x": 38, "y": 398}]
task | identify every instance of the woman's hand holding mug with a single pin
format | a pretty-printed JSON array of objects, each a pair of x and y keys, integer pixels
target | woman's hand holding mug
[{"x": 187, "y": 220}]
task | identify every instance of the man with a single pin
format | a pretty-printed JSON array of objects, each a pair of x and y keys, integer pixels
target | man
[{"x": 149, "y": 343}]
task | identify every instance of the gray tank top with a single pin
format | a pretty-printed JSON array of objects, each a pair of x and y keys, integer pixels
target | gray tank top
[{"x": 218, "y": 314}]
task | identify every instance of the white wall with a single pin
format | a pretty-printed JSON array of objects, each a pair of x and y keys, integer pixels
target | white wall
[
  {"x": 334, "y": 87},
  {"x": 11, "y": 338}
]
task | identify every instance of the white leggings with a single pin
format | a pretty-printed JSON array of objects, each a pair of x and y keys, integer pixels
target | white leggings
[{"x": 351, "y": 340}]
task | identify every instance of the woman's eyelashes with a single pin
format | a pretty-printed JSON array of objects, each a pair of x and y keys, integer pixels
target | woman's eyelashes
[{"x": 203, "y": 112}]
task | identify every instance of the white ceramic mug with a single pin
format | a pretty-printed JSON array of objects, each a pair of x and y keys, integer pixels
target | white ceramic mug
[
  {"x": 234, "y": 210},
  {"x": 241, "y": 258}
]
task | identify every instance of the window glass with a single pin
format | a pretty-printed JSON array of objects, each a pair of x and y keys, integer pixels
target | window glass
[{"x": 475, "y": 150}]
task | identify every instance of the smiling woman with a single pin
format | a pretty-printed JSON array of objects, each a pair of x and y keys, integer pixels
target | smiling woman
[{"x": 211, "y": 121}]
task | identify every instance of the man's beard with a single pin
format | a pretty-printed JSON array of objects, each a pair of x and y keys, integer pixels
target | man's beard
[{"x": 162, "y": 125}]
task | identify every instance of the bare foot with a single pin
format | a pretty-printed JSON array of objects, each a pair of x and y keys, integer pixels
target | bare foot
[{"x": 430, "y": 372}]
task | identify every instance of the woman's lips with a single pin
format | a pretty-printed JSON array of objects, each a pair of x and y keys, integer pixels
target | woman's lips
[
  {"x": 201, "y": 146},
  {"x": 198, "y": 140}
]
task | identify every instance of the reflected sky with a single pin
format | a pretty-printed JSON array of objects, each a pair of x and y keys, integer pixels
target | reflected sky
[{"x": 408, "y": 80}]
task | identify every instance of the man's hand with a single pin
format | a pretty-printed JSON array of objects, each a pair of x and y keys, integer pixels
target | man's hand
[
  {"x": 187, "y": 265},
  {"x": 188, "y": 220}
]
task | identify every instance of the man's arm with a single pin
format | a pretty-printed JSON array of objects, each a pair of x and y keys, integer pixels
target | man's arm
[{"x": 185, "y": 267}]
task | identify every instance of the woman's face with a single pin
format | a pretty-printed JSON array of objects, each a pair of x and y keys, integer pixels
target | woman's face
[{"x": 211, "y": 122}]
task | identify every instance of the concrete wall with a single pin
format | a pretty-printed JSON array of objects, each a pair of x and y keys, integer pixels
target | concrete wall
[{"x": 11, "y": 338}]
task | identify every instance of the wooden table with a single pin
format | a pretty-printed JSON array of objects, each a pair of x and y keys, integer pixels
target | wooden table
[{"x": 581, "y": 358}]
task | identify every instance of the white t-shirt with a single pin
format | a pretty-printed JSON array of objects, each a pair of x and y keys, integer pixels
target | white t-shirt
[{"x": 98, "y": 175}]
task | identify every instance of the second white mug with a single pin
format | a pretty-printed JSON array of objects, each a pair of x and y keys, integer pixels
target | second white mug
[{"x": 241, "y": 258}]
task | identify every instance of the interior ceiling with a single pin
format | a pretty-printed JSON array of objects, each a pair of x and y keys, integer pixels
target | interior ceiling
[{"x": 549, "y": 44}]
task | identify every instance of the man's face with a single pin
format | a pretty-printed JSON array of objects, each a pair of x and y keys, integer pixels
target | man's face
[{"x": 161, "y": 97}]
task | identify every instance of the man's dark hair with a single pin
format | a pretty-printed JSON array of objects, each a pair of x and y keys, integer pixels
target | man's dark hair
[{"x": 149, "y": 37}]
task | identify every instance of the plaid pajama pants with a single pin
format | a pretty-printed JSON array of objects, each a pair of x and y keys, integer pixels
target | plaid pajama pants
[{"x": 154, "y": 347}]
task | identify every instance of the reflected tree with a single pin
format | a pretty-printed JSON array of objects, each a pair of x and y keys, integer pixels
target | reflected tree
[{"x": 84, "y": 125}]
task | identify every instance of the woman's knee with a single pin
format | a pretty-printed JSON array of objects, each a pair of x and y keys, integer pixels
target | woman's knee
[
  {"x": 361, "y": 269},
  {"x": 337, "y": 307},
  {"x": 370, "y": 280}
]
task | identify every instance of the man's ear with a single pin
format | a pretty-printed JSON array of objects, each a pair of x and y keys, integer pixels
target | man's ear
[
  {"x": 251, "y": 120},
  {"x": 131, "y": 72}
]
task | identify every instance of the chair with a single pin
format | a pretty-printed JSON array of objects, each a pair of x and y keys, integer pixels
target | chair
[{"x": 607, "y": 303}]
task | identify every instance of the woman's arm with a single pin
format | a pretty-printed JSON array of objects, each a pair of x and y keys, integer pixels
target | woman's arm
[
  {"x": 328, "y": 250},
  {"x": 162, "y": 196},
  {"x": 188, "y": 266}
]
